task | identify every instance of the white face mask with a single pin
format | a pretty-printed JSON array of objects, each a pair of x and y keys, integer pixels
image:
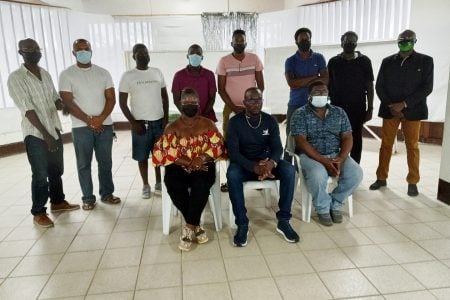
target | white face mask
[{"x": 319, "y": 101}]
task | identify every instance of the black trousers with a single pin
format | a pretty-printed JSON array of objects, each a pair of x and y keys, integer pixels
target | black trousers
[
  {"x": 357, "y": 125},
  {"x": 189, "y": 191}
]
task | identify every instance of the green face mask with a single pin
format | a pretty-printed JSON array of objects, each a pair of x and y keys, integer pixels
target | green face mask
[{"x": 405, "y": 46}]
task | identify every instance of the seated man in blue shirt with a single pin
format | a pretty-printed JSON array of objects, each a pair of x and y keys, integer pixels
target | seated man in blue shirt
[
  {"x": 255, "y": 149},
  {"x": 323, "y": 136}
]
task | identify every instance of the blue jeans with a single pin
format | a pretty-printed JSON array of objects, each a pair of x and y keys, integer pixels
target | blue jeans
[
  {"x": 86, "y": 141},
  {"x": 316, "y": 177},
  {"x": 237, "y": 175},
  {"x": 47, "y": 168}
]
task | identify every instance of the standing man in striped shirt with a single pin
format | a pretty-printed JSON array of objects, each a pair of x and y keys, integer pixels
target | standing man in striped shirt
[
  {"x": 34, "y": 94},
  {"x": 236, "y": 72}
]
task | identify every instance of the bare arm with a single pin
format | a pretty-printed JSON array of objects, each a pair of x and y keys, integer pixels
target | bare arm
[
  {"x": 211, "y": 100},
  {"x": 73, "y": 108},
  {"x": 177, "y": 100},
  {"x": 221, "y": 81},
  {"x": 259, "y": 77},
  {"x": 165, "y": 103},
  {"x": 48, "y": 138},
  {"x": 299, "y": 82}
]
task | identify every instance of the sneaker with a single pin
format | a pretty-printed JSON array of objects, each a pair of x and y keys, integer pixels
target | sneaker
[
  {"x": 412, "y": 190},
  {"x": 158, "y": 186},
  {"x": 63, "y": 206},
  {"x": 186, "y": 238},
  {"x": 111, "y": 199},
  {"x": 240, "y": 238},
  {"x": 43, "y": 220},
  {"x": 325, "y": 219},
  {"x": 200, "y": 235},
  {"x": 336, "y": 216},
  {"x": 146, "y": 191},
  {"x": 286, "y": 230},
  {"x": 377, "y": 184}
]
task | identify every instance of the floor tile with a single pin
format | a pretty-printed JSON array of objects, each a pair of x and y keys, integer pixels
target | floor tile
[
  {"x": 427, "y": 215},
  {"x": 418, "y": 231},
  {"x": 246, "y": 267},
  {"x": 37, "y": 265},
  {"x": 114, "y": 280},
  {"x": 350, "y": 237},
  {"x": 203, "y": 271},
  {"x": 439, "y": 248},
  {"x": 288, "y": 264},
  {"x": 67, "y": 285},
  {"x": 443, "y": 227},
  {"x": 22, "y": 287},
  {"x": 347, "y": 283},
  {"x": 431, "y": 274},
  {"x": 304, "y": 286},
  {"x": 7, "y": 265},
  {"x": 327, "y": 260},
  {"x": 79, "y": 261},
  {"x": 228, "y": 250},
  {"x": 89, "y": 242},
  {"x": 216, "y": 291},
  {"x": 384, "y": 234},
  {"x": 121, "y": 257},
  {"x": 316, "y": 241},
  {"x": 275, "y": 244},
  {"x": 368, "y": 256},
  {"x": 15, "y": 248},
  {"x": 406, "y": 252},
  {"x": 209, "y": 250},
  {"x": 111, "y": 296},
  {"x": 261, "y": 288},
  {"x": 398, "y": 280},
  {"x": 419, "y": 295},
  {"x": 127, "y": 239},
  {"x": 25, "y": 233},
  {"x": 172, "y": 293},
  {"x": 159, "y": 254},
  {"x": 367, "y": 220},
  {"x": 441, "y": 294},
  {"x": 397, "y": 217},
  {"x": 159, "y": 276}
]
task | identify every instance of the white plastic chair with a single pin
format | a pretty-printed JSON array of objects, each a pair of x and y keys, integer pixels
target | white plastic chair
[
  {"x": 214, "y": 203},
  {"x": 307, "y": 197},
  {"x": 265, "y": 185}
]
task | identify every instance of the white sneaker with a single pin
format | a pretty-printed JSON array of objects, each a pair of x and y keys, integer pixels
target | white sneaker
[{"x": 146, "y": 191}]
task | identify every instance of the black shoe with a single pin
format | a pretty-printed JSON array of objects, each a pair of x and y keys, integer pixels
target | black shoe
[
  {"x": 240, "y": 238},
  {"x": 286, "y": 230},
  {"x": 336, "y": 216},
  {"x": 224, "y": 187},
  {"x": 377, "y": 184},
  {"x": 325, "y": 219},
  {"x": 412, "y": 190}
]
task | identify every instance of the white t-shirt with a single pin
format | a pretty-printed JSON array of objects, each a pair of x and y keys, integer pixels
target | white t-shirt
[
  {"x": 88, "y": 88},
  {"x": 144, "y": 89}
]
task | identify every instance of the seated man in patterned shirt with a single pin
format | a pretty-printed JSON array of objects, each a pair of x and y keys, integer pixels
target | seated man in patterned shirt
[{"x": 323, "y": 136}]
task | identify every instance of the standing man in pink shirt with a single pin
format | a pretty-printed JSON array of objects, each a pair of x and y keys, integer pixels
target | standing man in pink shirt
[
  {"x": 236, "y": 72},
  {"x": 200, "y": 79}
]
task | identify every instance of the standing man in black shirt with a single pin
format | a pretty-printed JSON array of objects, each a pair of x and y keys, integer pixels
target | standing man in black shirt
[
  {"x": 351, "y": 87},
  {"x": 255, "y": 149},
  {"x": 404, "y": 81}
]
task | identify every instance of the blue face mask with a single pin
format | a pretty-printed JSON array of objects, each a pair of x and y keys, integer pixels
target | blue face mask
[
  {"x": 195, "y": 60},
  {"x": 83, "y": 56},
  {"x": 319, "y": 101}
]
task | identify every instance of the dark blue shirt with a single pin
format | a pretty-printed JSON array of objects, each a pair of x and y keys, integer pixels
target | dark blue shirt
[
  {"x": 323, "y": 134},
  {"x": 247, "y": 145},
  {"x": 300, "y": 68}
]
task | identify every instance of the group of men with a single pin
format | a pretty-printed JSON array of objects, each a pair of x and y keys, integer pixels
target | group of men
[{"x": 328, "y": 136}]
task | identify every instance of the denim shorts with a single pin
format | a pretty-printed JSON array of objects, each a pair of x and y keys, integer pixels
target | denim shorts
[{"x": 143, "y": 144}]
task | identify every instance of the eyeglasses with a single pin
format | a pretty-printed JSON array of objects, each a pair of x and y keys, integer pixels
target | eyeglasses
[{"x": 253, "y": 101}]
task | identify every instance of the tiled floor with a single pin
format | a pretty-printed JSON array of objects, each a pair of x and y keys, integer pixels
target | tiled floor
[{"x": 395, "y": 247}]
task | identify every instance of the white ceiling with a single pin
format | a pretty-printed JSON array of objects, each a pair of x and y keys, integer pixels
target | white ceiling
[{"x": 174, "y": 7}]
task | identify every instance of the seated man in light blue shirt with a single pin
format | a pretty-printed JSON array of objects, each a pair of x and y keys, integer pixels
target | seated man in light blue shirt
[{"x": 323, "y": 136}]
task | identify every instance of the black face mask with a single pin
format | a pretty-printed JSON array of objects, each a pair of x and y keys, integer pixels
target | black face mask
[
  {"x": 239, "y": 48},
  {"x": 142, "y": 61},
  {"x": 349, "y": 47},
  {"x": 304, "y": 46},
  {"x": 190, "y": 110},
  {"x": 32, "y": 57}
]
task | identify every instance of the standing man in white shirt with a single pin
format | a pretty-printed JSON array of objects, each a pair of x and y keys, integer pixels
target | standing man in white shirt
[
  {"x": 88, "y": 92},
  {"x": 149, "y": 104},
  {"x": 34, "y": 94}
]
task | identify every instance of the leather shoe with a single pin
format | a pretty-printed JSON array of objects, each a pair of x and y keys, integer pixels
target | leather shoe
[
  {"x": 412, "y": 190},
  {"x": 377, "y": 184},
  {"x": 336, "y": 216},
  {"x": 43, "y": 220},
  {"x": 325, "y": 219},
  {"x": 63, "y": 206}
]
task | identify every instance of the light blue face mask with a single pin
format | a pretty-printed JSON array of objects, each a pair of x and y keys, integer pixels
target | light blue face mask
[
  {"x": 319, "y": 101},
  {"x": 83, "y": 56},
  {"x": 195, "y": 60}
]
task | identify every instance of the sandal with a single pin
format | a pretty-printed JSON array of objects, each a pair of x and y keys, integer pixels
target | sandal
[
  {"x": 111, "y": 199},
  {"x": 88, "y": 206}
]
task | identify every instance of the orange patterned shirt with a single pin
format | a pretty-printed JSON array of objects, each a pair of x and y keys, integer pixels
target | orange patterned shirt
[{"x": 169, "y": 147}]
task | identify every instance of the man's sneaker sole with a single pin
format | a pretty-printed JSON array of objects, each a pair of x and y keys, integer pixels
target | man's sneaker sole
[
  {"x": 241, "y": 245},
  {"x": 285, "y": 237}
]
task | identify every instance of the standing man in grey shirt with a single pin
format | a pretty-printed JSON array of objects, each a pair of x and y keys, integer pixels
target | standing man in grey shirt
[{"x": 34, "y": 94}]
